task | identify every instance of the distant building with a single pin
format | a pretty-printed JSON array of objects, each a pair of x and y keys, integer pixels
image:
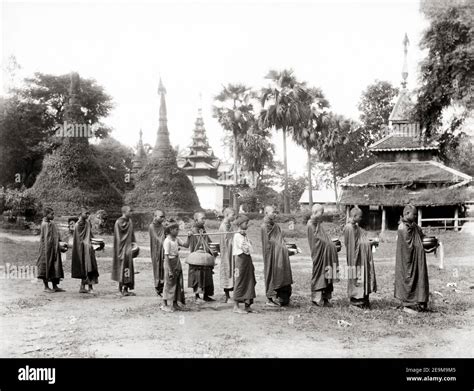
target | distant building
[
  {"x": 210, "y": 176},
  {"x": 325, "y": 197},
  {"x": 408, "y": 171},
  {"x": 140, "y": 158}
]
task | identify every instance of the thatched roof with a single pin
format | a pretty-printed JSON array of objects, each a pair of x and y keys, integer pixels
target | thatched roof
[
  {"x": 405, "y": 173},
  {"x": 402, "y": 196},
  {"x": 394, "y": 142}
]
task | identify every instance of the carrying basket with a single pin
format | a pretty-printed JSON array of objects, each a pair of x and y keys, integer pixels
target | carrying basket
[{"x": 200, "y": 258}]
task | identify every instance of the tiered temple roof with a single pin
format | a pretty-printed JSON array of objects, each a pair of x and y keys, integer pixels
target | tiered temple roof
[
  {"x": 198, "y": 160},
  {"x": 408, "y": 169}
]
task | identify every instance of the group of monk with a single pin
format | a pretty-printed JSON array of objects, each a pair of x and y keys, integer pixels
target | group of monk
[{"x": 237, "y": 272}]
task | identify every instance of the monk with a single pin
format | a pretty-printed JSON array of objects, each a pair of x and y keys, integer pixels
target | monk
[
  {"x": 276, "y": 262},
  {"x": 200, "y": 277},
  {"x": 411, "y": 272},
  {"x": 226, "y": 269},
  {"x": 324, "y": 257},
  {"x": 122, "y": 264},
  {"x": 84, "y": 264},
  {"x": 49, "y": 263},
  {"x": 157, "y": 237},
  {"x": 361, "y": 280}
]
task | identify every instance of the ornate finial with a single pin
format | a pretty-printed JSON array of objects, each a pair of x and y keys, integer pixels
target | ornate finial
[
  {"x": 141, "y": 135},
  {"x": 200, "y": 105},
  {"x": 161, "y": 88},
  {"x": 406, "y": 42}
]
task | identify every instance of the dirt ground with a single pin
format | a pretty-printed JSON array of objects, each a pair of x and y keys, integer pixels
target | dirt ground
[{"x": 37, "y": 324}]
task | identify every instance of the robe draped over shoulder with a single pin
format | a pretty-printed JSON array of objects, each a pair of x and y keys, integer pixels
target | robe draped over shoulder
[
  {"x": 324, "y": 257},
  {"x": 227, "y": 264},
  {"x": 360, "y": 262},
  {"x": 157, "y": 237},
  {"x": 276, "y": 262},
  {"x": 83, "y": 263},
  {"x": 411, "y": 272},
  {"x": 49, "y": 263},
  {"x": 122, "y": 265}
]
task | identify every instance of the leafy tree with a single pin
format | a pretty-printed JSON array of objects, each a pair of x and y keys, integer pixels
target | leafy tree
[
  {"x": 375, "y": 106},
  {"x": 53, "y": 92},
  {"x": 29, "y": 118},
  {"x": 285, "y": 109},
  {"x": 446, "y": 72},
  {"x": 115, "y": 160}
]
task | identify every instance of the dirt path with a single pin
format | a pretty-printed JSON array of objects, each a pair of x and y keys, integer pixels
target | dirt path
[{"x": 36, "y": 324}]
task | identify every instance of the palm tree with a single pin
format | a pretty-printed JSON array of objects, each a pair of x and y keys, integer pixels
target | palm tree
[
  {"x": 309, "y": 135},
  {"x": 286, "y": 98},
  {"x": 331, "y": 138},
  {"x": 234, "y": 112}
]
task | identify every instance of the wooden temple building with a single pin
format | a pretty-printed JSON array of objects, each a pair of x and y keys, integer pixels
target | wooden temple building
[
  {"x": 210, "y": 176},
  {"x": 408, "y": 170}
]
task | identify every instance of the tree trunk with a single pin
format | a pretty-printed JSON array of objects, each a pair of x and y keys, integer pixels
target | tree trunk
[
  {"x": 334, "y": 180},
  {"x": 286, "y": 200},
  {"x": 236, "y": 179},
  {"x": 310, "y": 182}
]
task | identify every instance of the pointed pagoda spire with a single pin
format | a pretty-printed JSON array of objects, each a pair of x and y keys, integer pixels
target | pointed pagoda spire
[
  {"x": 163, "y": 145},
  {"x": 406, "y": 42},
  {"x": 141, "y": 153}
]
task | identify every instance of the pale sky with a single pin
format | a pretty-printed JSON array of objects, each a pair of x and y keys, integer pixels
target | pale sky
[{"x": 197, "y": 46}]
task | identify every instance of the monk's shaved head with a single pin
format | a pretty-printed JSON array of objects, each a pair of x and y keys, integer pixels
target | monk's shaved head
[
  {"x": 317, "y": 208},
  {"x": 269, "y": 209},
  {"x": 159, "y": 213},
  {"x": 198, "y": 215},
  {"x": 409, "y": 207},
  {"x": 356, "y": 211},
  {"x": 126, "y": 209}
]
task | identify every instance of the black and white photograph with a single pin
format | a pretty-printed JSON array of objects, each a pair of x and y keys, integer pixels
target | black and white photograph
[{"x": 236, "y": 179}]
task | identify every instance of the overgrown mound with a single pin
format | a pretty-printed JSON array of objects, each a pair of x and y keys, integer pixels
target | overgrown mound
[
  {"x": 162, "y": 185},
  {"x": 72, "y": 177}
]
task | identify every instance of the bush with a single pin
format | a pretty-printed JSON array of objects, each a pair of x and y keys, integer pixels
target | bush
[{"x": 20, "y": 202}]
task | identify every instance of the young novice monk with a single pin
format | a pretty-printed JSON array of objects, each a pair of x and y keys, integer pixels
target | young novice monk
[
  {"x": 173, "y": 290},
  {"x": 49, "y": 263},
  {"x": 411, "y": 272},
  {"x": 244, "y": 271}
]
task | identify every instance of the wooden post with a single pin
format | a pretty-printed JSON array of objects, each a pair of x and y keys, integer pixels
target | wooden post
[
  {"x": 348, "y": 213},
  {"x": 420, "y": 216},
  {"x": 456, "y": 217},
  {"x": 384, "y": 215}
]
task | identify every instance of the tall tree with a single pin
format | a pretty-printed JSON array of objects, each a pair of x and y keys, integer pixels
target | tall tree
[
  {"x": 283, "y": 108},
  {"x": 375, "y": 106},
  {"x": 446, "y": 71},
  {"x": 234, "y": 112},
  {"x": 306, "y": 136}
]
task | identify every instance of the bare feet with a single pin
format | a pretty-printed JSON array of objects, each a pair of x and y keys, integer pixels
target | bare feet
[
  {"x": 239, "y": 311},
  {"x": 410, "y": 311},
  {"x": 207, "y": 298},
  {"x": 167, "y": 308},
  {"x": 48, "y": 290},
  {"x": 270, "y": 303},
  {"x": 57, "y": 289}
]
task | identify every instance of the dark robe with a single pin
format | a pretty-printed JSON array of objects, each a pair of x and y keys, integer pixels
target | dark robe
[
  {"x": 84, "y": 263},
  {"x": 157, "y": 237},
  {"x": 325, "y": 259},
  {"x": 361, "y": 271},
  {"x": 122, "y": 264},
  {"x": 226, "y": 267},
  {"x": 200, "y": 277},
  {"x": 411, "y": 272},
  {"x": 276, "y": 263},
  {"x": 49, "y": 263}
]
